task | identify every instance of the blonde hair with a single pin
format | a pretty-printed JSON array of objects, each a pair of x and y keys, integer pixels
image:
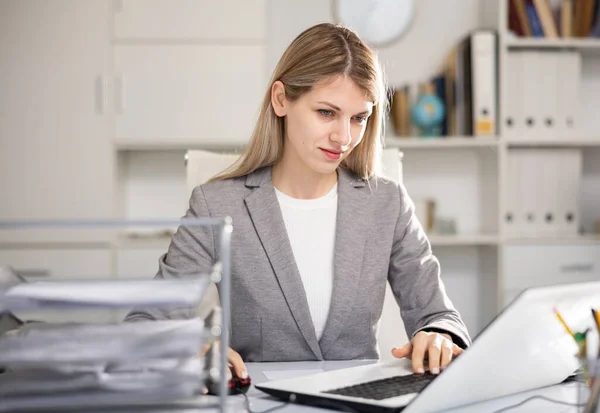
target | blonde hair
[{"x": 319, "y": 53}]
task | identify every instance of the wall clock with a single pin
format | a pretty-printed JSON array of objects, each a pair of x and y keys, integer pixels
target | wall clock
[{"x": 377, "y": 22}]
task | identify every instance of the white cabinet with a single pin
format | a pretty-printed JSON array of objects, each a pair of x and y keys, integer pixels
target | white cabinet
[
  {"x": 56, "y": 159},
  {"x": 547, "y": 264},
  {"x": 62, "y": 264},
  {"x": 190, "y": 20},
  {"x": 187, "y": 95}
]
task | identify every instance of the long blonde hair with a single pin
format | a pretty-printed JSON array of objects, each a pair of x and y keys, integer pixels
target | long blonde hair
[{"x": 319, "y": 53}]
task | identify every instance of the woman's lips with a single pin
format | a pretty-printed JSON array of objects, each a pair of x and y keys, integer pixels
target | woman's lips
[{"x": 331, "y": 154}]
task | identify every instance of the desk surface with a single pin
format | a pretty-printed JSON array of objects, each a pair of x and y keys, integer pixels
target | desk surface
[{"x": 261, "y": 372}]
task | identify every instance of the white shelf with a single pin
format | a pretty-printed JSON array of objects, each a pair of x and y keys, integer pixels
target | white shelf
[
  {"x": 585, "y": 45},
  {"x": 122, "y": 144},
  {"x": 555, "y": 142},
  {"x": 462, "y": 240},
  {"x": 575, "y": 239},
  {"x": 449, "y": 142}
]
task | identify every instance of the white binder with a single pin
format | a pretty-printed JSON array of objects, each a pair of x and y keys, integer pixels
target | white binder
[
  {"x": 531, "y": 93},
  {"x": 549, "y": 194},
  {"x": 569, "y": 72},
  {"x": 512, "y": 220},
  {"x": 547, "y": 73},
  {"x": 569, "y": 171},
  {"x": 529, "y": 192},
  {"x": 484, "y": 83},
  {"x": 513, "y": 119}
]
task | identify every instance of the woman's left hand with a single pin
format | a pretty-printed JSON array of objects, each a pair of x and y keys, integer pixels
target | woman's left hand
[{"x": 439, "y": 349}]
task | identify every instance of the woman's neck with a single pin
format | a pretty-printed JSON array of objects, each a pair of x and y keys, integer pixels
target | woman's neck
[{"x": 302, "y": 183}]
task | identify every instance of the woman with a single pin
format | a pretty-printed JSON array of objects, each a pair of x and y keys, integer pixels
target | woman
[{"x": 317, "y": 234}]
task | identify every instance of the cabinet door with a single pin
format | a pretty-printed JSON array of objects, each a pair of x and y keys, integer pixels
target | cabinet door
[
  {"x": 61, "y": 264},
  {"x": 55, "y": 133},
  {"x": 191, "y": 20},
  {"x": 188, "y": 95},
  {"x": 541, "y": 265}
]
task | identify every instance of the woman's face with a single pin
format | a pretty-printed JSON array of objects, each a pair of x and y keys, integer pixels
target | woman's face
[{"x": 324, "y": 125}]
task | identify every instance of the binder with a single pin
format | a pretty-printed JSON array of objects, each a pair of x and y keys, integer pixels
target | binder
[
  {"x": 461, "y": 91},
  {"x": 531, "y": 92},
  {"x": 547, "y": 73},
  {"x": 513, "y": 113},
  {"x": 483, "y": 83},
  {"x": 569, "y": 75},
  {"x": 512, "y": 220},
  {"x": 549, "y": 197},
  {"x": 529, "y": 193},
  {"x": 569, "y": 171}
]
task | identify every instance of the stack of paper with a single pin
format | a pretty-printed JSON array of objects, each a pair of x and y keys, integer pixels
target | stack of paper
[
  {"x": 105, "y": 294},
  {"x": 54, "y": 365},
  {"x": 62, "y": 365}
]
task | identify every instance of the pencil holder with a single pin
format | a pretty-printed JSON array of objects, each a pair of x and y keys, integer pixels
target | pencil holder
[{"x": 588, "y": 386}]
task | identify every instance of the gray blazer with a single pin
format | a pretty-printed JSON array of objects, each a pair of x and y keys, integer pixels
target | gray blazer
[{"x": 378, "y": 240}]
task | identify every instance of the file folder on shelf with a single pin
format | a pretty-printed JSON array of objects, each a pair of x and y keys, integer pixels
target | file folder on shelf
[
  {"x": 543, "y": 192},
  {"x": 513, "y": 108},
  {"x": 531, "y": 94},
  {"x": 569, "y": 164},
  {"x": 542, "y": 94},
  {"x": 568, "y": 86},
  {"x": 512, "y": 216},
  {"x": 484, "y": 83}
]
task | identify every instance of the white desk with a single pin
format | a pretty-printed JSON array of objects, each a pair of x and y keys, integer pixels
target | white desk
[{"x": 261, "y": 401}]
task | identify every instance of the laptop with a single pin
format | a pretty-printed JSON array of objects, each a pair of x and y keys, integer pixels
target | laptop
[{"x": 525, "y": 347}]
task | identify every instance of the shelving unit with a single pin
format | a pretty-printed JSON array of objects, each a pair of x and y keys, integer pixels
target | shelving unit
[
  {"x": 458, "y": 142},
  {"x": 439, "y": 168},
  {"x": 591, "y": 142},
  {"x": 584, "y": 45},
  {"x": 463, "y": 240},
  {"x": 576, "y": 250}
]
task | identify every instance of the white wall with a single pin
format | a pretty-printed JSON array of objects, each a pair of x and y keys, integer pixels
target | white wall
[{"x": 437, "y": 26}]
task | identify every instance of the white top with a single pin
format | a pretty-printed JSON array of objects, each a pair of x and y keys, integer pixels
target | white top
[{"x": 310, "y": 225}]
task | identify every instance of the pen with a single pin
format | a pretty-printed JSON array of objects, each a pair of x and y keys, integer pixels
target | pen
[
  {"x": 562, "y": 321},
  {"x": 596, "y": 319}
]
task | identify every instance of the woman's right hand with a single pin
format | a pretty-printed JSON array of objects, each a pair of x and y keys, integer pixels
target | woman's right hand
[{"x": 234, "y": 359}]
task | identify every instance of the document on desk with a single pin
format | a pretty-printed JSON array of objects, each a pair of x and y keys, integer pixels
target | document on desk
[
  {"x": 131, "y": 293},
  {"x": 88, "y": 343},
  {"x": 118, "y": 378},
  {"x": 289, "y": 374}
]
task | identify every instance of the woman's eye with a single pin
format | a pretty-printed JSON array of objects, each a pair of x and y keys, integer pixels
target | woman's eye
[
  {"x": 361, "y": 119},
  {"x": 325, "y": 112}
]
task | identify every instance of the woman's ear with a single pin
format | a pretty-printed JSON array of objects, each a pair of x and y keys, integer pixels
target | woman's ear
[{"x": 278, "y": 100}]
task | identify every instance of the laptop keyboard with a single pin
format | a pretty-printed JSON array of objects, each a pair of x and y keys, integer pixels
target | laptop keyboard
[{"x": 387, "y": 388}]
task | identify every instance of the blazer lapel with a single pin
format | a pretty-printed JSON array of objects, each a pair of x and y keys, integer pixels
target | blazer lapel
[
  {"x": 352, "y": 223},
  {"x": 265, "y": 213}
]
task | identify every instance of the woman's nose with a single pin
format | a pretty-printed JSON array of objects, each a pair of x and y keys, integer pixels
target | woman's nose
[{"x": 342, "y": 133}]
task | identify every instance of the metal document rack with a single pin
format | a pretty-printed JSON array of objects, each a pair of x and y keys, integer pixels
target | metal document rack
[{"x": 219, "y": 274}]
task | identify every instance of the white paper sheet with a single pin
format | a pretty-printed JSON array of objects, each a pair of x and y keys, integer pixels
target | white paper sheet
[{"x": 113, "y": 293}]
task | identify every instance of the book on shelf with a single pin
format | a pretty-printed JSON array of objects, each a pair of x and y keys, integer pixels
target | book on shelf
[
  {"x": 466, "y": 85},
  {"x": 552, "y": 19}
]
